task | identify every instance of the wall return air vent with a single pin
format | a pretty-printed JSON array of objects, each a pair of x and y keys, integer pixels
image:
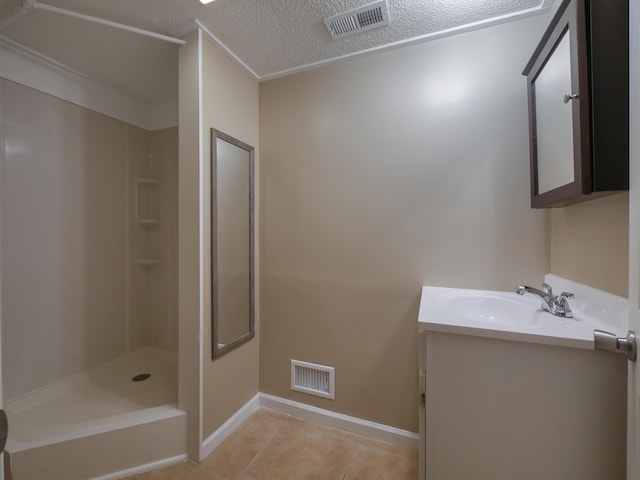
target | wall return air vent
[
  {"x": 313, "y": 379},
  {"x": 358, "y": 20}
]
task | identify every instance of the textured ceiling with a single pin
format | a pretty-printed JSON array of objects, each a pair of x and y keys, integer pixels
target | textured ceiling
[
  {"x": 280, "y": 35},
  {"x": 269, "y": 36}
]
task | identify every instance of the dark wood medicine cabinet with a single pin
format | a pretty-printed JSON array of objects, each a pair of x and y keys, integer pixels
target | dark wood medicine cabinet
[{"x": 578, "y": 86}]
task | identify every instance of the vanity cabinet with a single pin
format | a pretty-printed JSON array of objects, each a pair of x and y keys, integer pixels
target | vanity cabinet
[
  {"x": 578, "y": 82},
  {"x": 504, "y": 410},
  {"x": 510, "y": 392}
]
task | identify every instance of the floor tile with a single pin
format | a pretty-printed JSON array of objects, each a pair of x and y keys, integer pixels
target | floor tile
[
  {"x": 301, "y": 424},
  {"x": 274, "y": 446},
  {"x": 181, "y": 471},
  {"x": 368, "y": 442},
  {"x": 300, "y": 454},
  {"x": 235, "y": 454},
  {"x": 370, "y": 463}
]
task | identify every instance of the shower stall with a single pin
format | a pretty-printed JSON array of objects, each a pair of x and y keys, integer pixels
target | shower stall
[{"x": 89, "y": 289}]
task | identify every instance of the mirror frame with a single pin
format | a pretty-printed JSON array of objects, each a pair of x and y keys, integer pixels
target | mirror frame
[
  {"x": 569, "y": 20},
  {"x": 215, "y": 334}
]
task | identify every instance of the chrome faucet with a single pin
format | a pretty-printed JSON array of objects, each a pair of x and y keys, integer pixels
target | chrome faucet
[{"x": 555, "y": 305}]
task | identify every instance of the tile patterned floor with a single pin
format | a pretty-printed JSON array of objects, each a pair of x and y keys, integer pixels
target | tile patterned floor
[{"x": 273, "y": 446}]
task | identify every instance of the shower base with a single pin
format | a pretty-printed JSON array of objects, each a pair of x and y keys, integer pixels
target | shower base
[{"x": 95, "y": 424}]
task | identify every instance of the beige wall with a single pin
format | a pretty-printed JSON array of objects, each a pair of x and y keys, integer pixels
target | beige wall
[
  {"x": 380, "y": 175},
  {"x": 71, "y": 289},
  {"x": 189, "y": 262},
  {"x": 590, "y": 243},
  {"x": 230, "y": 102},
  {"x": 214, "y": 93}
]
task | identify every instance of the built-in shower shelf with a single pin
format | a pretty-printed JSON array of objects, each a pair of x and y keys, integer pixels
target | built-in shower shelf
[
  {"x": 148, "y": 263},
  {"x": 146, "y": 202}
]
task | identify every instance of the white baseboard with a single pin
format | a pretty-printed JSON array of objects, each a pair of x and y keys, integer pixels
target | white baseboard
[
  {"x": 227, "y": 428},
  {"x": 143, "y": 468},
  {"x": 376, "y": 431},
  {"x": 358, "y": 426}
]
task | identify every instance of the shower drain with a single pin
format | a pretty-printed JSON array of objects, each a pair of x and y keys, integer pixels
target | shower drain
[{"x": 141, "y": 377}]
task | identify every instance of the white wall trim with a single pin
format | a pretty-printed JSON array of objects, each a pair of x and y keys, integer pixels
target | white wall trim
[
  {"x": 29, "y": 68},
  {"x": 376, "y": 431},
  {"x": 34, "y": 70},
  {"x": 143, "y": 468},
  {"x": 511, "y": 17},
  {"x": 227, "y": 50},
  {"x": 201, "y": 247},
  {"x": 228, "y": 427},
  {"x": 544, "y": 7}
]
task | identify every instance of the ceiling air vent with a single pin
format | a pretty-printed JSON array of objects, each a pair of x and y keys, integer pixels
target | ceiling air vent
[{"x": 358, "y": 20}]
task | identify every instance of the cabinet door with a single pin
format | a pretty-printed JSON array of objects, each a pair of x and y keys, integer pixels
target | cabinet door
[
  {"x": 559, "y": 112},
  {"x": 554, "y": 119}
]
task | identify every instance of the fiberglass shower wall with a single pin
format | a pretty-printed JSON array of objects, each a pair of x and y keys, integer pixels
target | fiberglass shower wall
[
  {"x": 153, "y": 238},
  {"x": 83, "y": 280}
]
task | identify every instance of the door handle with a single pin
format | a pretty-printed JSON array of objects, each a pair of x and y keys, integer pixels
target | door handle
[{"x": 611, "y": 342}]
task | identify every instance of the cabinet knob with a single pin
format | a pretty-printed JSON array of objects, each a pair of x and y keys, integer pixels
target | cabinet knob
[{"x": 568, "y": 97}]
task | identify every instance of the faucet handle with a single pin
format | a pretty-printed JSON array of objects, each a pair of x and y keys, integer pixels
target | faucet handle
[
  {"x": 562, "y": 306},
  {"x": 546, "y": 288}
]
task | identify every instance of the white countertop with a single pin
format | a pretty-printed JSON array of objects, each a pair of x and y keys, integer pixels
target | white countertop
[{"x": 509, "y": 316}]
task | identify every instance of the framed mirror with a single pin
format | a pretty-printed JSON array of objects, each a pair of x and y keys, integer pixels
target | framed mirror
[{"x": 232, "y": 243}]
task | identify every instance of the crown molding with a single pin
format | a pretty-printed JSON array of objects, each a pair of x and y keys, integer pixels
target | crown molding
[{"x": 29, "y": 68}]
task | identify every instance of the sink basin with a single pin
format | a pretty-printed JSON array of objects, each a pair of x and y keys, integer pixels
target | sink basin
[
  {"x": 509, "y": 316},
  {"x": 494, "y": 307}
]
